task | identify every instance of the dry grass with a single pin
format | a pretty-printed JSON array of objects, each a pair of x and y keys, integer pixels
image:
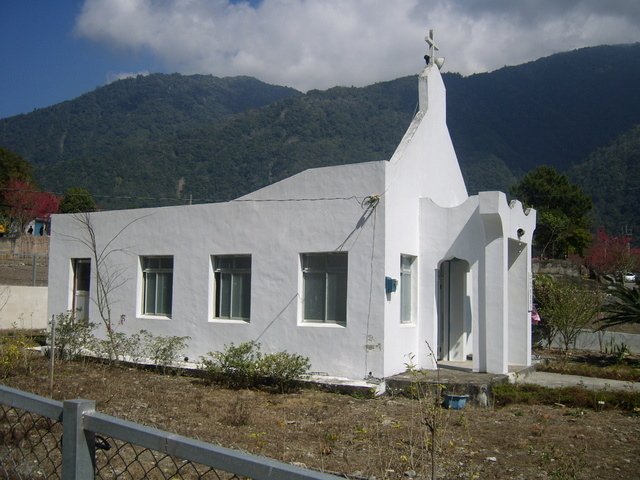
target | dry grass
[
  {"x": 382, "y": 437},
  {"x": 622, "y": 366}
]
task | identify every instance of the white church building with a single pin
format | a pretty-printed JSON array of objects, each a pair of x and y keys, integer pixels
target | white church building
[{"x": 359, "y": 267}]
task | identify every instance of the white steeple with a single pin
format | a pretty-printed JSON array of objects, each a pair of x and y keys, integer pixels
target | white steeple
[{"x": 426, "y": 85}]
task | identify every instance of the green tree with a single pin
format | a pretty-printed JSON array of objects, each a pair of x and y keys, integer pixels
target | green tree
[
  {"x": 565, "y": 307},
  {"x": 13, "y": 166},
  {"x": 77, "y": 200},
  {"x": 563, "y": 209}
]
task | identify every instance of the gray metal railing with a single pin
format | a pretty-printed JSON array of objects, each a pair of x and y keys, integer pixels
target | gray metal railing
[{"x": 43, "y": 438}]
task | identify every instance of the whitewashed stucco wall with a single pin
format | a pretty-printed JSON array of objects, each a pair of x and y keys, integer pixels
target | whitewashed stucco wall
[
  {"x": 458, "y": 236},
  {"x": 483, "y": 232},
  {"x": 423, "y": 165},
  {"x": 274, "y": 233},
  {"x": 23, "y": 307}
]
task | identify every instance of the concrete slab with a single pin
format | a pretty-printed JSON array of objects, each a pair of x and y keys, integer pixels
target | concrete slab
[{"x": 455, "y": 378}]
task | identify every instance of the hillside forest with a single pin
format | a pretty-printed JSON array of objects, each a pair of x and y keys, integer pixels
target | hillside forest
[{"x": 171, "y": 139}]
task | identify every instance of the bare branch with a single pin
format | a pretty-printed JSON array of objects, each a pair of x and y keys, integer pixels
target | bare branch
[{"x": 108, "y": 277}]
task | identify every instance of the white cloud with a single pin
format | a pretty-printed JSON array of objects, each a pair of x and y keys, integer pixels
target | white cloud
[{"x": 322, "y": 43}]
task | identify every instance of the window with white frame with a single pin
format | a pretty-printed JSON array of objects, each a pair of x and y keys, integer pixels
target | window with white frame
[
  {"x": 324, "y": 277},
  {"x": 232, "y": 274},
  {"x": 407, "y": 288},
  {"x": 157, "y": 285}
]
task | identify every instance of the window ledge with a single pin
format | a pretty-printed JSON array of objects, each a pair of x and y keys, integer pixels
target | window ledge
[
  {"x": 153, "y": 317},
  {"x": 322, "y": 324},
  {"x": 236, "y": 321}
]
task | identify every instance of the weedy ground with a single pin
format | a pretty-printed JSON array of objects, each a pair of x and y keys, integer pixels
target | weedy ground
[
  {"x": 617, "y": 365},
  {"x": 383, "y": 437}
]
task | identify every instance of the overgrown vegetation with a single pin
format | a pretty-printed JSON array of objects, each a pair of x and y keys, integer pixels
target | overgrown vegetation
[
  {"x": 615, "y": 362},
  {"x": 566, "y": 308},
  {"x": 571, "y": 397},
  {"x": 237, "y": 366},
  {"x": 15, "y": 354},
  {"x": 244, "y": 366},
  {"x": 283, "y": 369}
]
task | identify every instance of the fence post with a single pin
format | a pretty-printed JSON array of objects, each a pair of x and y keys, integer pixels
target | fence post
[
  {"x": 78, "y": 444},
  {"x": 52, "y": 353}
]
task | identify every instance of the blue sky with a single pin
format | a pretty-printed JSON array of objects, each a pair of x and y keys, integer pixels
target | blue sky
[
  {"x": 45, "y": 62},
  {"x": 56, "y": 50}
]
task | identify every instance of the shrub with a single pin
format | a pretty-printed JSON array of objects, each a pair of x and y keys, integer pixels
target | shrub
[
  {"x": 283, "y": 369},
  {"x": 134, "y": 346},
  {"x": 72, "y": 337},
  {"x": 566, "y": 308},
  {"x": 164, "y": 351},
  {"x": 15, "y": 355},
  {"x": 243, "y": 366},
  {"x": 113, "y": 348},
  {"x": 235, "y": 367}
]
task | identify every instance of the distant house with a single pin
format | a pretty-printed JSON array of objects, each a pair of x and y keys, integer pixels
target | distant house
[
  {"x": 359, "y": 267},
  {"x": 38, "y": 227}
]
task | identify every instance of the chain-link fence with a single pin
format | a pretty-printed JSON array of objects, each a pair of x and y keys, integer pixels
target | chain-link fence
[
  {"x": 116, "y": 459},
  {"x": 44, "y": 439},
  {"x": 29, "y": 445}
]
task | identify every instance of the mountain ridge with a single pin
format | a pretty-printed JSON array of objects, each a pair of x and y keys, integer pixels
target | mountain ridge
[{"x": 209, "y": 139}]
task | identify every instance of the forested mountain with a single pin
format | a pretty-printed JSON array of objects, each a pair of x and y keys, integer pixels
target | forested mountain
[
  {"x": 611, "y": 175},
  {"x": 107, "y": 140},
  {"x": 553, "y": 111},
  {"x": 176, "y": 137}
]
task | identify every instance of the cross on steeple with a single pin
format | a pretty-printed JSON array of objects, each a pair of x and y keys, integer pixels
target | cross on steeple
[{"x": 429, "y": 57}]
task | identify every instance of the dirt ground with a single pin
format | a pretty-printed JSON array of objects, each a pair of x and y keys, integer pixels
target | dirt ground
[
  {"x": 363, "y": 438},
  {"x": 20, "y": 270}
]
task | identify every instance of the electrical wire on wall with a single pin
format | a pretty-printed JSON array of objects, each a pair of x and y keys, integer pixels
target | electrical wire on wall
[
  {"x": 371, "y": 203},
  {"x": 199, "y": 201}
]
